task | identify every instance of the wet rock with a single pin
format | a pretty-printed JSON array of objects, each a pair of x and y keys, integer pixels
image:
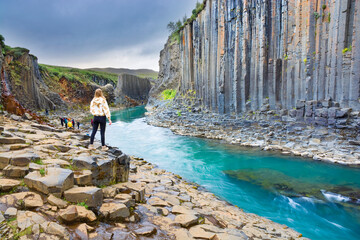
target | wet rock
[
  {"x": 8, "y": 184},
  {"x": 57, "y": 201},
  {"x": 145, "y": 231},
  {"x": 92, "y": 196},
  {"x": 82, "y": 232},
  {"x": 77, "y": 214},
  {"x": 55, "y": 181},
  {"x": 114, "y": 211},
  {"x": 186, "y": 220},
  {"x": 15, "y": 171}
]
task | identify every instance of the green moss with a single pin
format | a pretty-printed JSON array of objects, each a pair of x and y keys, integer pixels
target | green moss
[
  {"x": 345, "y": 50},
  {"x": 168, "y": 94},
  {"x": 83, "y": 204},
  {"x": 42, "y": 172},
  {"x": 317, "y": 15}
]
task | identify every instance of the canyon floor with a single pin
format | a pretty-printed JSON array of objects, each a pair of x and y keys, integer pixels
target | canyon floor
[{"x": 54, "y": 187}]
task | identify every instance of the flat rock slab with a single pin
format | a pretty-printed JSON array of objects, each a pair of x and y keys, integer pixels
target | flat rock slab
[
  {"x": 23, "y": 159},
  {"x": 155, "y": 201},
  {"x": 145, "y": 231},
  {"x": 15, "y": 171},
  {"x": 12, "y": 140},
  {"x": 92, "y": 196},
  {"x": 61, "y": 163},
  {"x": 199, "y": 232},
  {"x": 23, "y": 199},
  {"x": 127, "y": 187},
  {"x": 77, "y": 214},
  {"x": 113, "y": 211},
  {"x": 57, "y": 201},
  {"x": 55, "y": 181},
  {"x": 8, "y": 184},
  {"x": 27, "y": 219},
  {"x": 186, "y": 220},
  {"x": 18, "y": 146},
  {"x": 45, "y": 128}
]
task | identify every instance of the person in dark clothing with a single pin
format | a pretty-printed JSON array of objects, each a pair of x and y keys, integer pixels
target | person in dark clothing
[
  {"x": 92, "y": 122},
  {"x": 78, "y": 124},
  {"x": 73, "y": 123},
  {"x": 46, "y": 112},
  {"x": 66, "y": 122},
  {"x": 62, "y": 121}
]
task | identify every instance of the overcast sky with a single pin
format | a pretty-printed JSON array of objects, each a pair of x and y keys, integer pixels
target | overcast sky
[{"x": 92, "y": 33}]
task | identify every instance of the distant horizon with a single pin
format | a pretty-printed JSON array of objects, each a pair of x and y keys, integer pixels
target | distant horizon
[{"x": 92, "y": 34}]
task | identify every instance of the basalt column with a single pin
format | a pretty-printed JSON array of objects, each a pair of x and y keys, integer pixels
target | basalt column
[{"x": 239, "y": 55}]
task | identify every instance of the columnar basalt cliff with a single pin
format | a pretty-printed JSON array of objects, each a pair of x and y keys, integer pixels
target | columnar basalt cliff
[
  {"x": 238, "y": 55},
  {"x": 132, "y": 90}
]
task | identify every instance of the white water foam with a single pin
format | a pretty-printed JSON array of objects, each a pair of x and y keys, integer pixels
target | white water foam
[{"x": 333, "y": 197}]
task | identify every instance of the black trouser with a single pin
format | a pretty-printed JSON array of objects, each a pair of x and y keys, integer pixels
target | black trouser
[{"x": 102, "y": 121}]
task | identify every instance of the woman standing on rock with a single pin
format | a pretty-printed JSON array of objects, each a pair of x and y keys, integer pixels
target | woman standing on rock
[{"x": 100, "y": 109}]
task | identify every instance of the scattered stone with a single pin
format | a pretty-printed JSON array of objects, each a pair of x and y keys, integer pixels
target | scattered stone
[
  {"x": 8, "y": 184},
  {"x": 11, "y": 140},
  {"x": 77, "y": 214},
  {"x": 109, "y": 192},
  {"x": 155, "y": 201},
  {"x": 186, "y": 220},
  {"x": 55, "y": 181},
  {"x": 92, "y": 196},
  {"x": 10, "y": 213},
  {"x": 145, "y": 231},
  {"x": 183, "y": 234},
  {"x": 113, "y": 211},
  {"x": 199, "y": 232},
  {"x": 57, "y": 201},
  {"x": 55, "y": 229},
  {"x": 82, "y": 232}
]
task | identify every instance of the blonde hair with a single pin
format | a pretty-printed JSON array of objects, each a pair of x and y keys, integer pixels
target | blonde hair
[{"x": 98, "y": 93}]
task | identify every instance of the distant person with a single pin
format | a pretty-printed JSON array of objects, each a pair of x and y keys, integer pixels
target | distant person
[
  {"x": 100, "y": 109},
  {"x": 78, "y": 124},
  {"x": 73, "y": 122},
  {"x": 62, "y": 121},
  {"x": 46, "y": 112},
  {"x": 66, "y": 122},
  {"x": 70, "y": 125}
]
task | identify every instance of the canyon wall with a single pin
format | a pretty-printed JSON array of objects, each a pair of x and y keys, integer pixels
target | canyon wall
[
  {"x": 240, "y": 55},
  {"x": 132, "y": 90}
]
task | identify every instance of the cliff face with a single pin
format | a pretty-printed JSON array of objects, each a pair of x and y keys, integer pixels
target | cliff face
[
  {"x": 170, "y": 71},
  {"x": 238, "y": 55},
  {"x": 132, "y": 90}
]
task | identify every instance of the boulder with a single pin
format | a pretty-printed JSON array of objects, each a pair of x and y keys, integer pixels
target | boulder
[
  {"x": 186, "y": 220},
  {"x": 199, "y": 232},
  {"x": 22, "y": 200},
  {"x": 77, "y": 214},
  {"x": 130, "y": 187},
  {"x": 8, "y": 184},
  {"x": 55, "y": 181},
  {"x": 57, "y": 201},
  {"x": 15, "y": 171},
  {"x": 109, "y": 192},
  {"x": 18, "y": 146},
  {"x": 23, "y": 159},
  {"x": 83, "y": 178},
  {"x": 114, "y": 211},
  {"x": 92, "y": 196},
  {"x": 55, "y": 229},
  {"x": 10, "y": 213},
  {"x": 27, "y": 219},
  {"x": 53, "y": 162}
]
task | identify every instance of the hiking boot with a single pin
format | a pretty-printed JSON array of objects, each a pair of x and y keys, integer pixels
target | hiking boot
[
  {"x": 91, "y": 146},
  {"x": 104, "y": 148}
]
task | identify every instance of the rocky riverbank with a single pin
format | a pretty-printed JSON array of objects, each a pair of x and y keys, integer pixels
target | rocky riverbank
[
  {"x": 53, "y": 187},
  {"x": 289, "y": 132}
]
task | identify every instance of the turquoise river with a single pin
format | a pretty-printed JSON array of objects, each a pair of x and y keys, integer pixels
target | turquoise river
[{"x": 206, "y": 162}]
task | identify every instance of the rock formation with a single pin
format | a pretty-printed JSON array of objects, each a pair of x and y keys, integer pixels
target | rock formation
[
  {"x": 132, "y": 90},
  {"x": 237, "y": 55}
]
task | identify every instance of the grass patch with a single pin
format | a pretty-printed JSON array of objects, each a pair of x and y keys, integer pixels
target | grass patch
[
  {"x": 168, "y": 94},
  {"x": 42, "y": 172},
  {"x": 83, "y": 204},
  {"x": 39, "y": 162}
]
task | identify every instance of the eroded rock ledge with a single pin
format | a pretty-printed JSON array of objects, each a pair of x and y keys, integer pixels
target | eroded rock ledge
[
  {"x": 53, "y": 187},
  {"x": 318, "y": 130}
]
